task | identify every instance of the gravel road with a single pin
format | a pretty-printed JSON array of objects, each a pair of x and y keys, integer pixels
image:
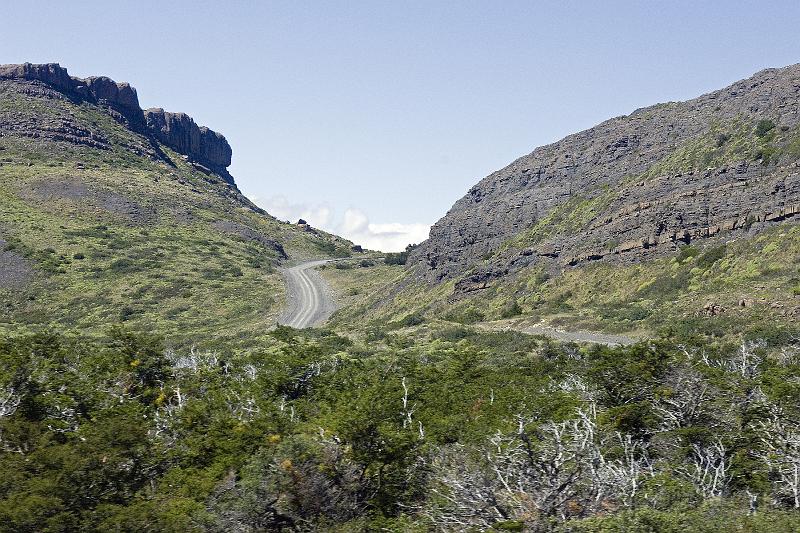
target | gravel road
[
  {"x": 310, "y": 303},
  {"x": 561, "y": 335},
  {"x": 309, "y": 300}
]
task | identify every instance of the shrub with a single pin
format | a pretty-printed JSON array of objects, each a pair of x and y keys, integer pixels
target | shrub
[
  {"x": 466, "y": 316},
  {"x": 628, "y": 312},
  {"x": 97, "y": 232},
  {"x": 126, "y": 313},
  {"x": 665, "y": 285},
  {"x": 412, "y": 319},
  {"x": 764, "y": 126},
  {"x": 510, "y": 309},
  {"x": 331, "y": 249},
  {"x": 687, "y": 252},
  {"x": 396, "y": 258},
  {"x": 454, "y": 334},
  {"x": 711, "y": 256},
  {"x": 123, "y": 265},
  {"x": 399, "y": 258}
]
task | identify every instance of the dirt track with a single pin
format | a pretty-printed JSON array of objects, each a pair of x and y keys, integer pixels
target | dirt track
[{"x": 309, "y": 300}]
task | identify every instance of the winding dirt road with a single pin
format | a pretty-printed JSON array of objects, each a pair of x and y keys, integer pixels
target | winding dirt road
[
  {"x": 308, "y": 296},
  {"x": 309, "y": 302}
]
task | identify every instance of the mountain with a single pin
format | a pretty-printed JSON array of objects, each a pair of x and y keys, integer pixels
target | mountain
[
  {"x": 609, "y": 210},
  {"x": 143, "y": 387},
  {"x": 111, "y": 213}
]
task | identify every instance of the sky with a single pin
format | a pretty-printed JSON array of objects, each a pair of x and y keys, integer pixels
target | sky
[{"x": 370, "y": 119}]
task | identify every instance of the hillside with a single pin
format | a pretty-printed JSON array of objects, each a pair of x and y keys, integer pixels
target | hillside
[
  {"x": 144, "y": 385},
  {"x": 683, "y": 212},
  {"x": 112, "y": 214}
]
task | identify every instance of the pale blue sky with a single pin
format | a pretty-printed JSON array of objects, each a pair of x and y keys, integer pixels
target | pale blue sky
[{"x": 394, "y": 109}]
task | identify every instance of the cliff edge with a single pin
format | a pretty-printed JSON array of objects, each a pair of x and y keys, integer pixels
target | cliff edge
[{"x": 175, "y": 130}]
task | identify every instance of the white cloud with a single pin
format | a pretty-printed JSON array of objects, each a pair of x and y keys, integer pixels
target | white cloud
[
  {"x": 278, "y": 206},
  {"x": 386, "y": 237},
  {"x": 353, "y": 225}
]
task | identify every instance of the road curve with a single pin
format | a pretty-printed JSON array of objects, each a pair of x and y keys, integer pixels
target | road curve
[{"x": 308, "y": 297}]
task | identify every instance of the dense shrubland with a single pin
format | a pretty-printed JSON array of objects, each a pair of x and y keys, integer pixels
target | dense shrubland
[{"x": 462, "y": 431}]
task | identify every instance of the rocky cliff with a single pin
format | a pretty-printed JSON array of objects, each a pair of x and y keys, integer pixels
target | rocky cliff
[
  {"x": 631, "y": 188},
  {"x": 175, "y": 130},
  {"x": 180, "y": 132}
]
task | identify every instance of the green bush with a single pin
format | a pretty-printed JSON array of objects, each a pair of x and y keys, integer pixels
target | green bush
[
  {"x": 469, "y": 315},
  {"x": 412, "y": 319},
  {"x": 624, "y": 311},
  {"x": 687, "y": 252},
  {"x": 764, "y": 126},
  {"x": 710, "y": 256},
  {"x": 123, "y": 266},
  {"x": 510, "y": 309},
  {"x": 330, "y": 248},
  {"x": 399, "y": 258}
]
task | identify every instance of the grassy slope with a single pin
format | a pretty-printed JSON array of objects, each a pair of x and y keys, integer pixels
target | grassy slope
[
  {"x": 113, "y": 236},
  {"x": 644, "y": 298}
]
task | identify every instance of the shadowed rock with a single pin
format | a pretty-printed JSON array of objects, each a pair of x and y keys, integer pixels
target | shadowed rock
[{"x": 179, "y": 131}]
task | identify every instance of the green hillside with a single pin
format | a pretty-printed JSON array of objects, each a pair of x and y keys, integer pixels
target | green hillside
[
  {"x": 144, "y": 385},
  {"x": 715, "y": 290},
  {"x": 126, "y": 230}
]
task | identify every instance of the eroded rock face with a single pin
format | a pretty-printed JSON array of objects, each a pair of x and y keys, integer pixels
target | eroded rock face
[
  {"x": 176, "y": 130},
  {"x": 107, "y": 90},
  {"x": 99, "y": 90},
  {"x": 631, "y": 188},
  {"x": 179, "y": 131},
  {"x": 51, "y": 74}
]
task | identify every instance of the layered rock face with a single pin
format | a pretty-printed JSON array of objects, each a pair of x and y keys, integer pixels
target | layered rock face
[
  {"x": 631, "y": 188},
  {"x": 179, "y": 131},
  {"x": 176, "y": 130}
]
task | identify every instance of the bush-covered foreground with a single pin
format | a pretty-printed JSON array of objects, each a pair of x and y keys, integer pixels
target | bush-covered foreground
[{"x": 459, "y": 431}]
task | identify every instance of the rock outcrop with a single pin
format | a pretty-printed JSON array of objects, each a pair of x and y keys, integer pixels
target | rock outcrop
[
  {"x": 631, "y": 188},
  {"x": 180, "y": 132},
  {"x": 101, "y": 90},
  {"x": 176, "y": 130}
]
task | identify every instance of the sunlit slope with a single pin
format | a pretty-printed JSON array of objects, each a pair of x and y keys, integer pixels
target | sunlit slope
[{"x": 102, "y": 224}]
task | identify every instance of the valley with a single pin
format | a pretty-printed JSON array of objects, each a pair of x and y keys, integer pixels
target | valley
[{"x": 601, "y": 336}]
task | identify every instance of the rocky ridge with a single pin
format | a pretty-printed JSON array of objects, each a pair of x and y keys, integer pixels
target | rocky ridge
[
  {"x": 631, "y": 188},
  {"x": 178, "y": 131}
]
